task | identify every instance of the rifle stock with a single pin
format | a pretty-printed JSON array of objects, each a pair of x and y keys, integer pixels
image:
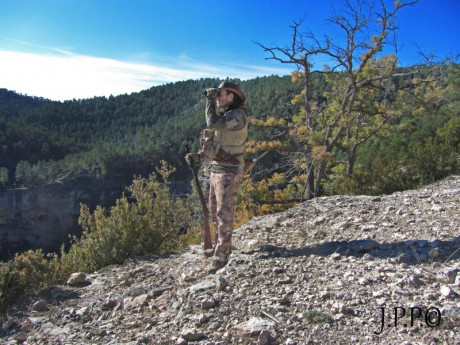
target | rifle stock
[{"x": 207, "y": 242}]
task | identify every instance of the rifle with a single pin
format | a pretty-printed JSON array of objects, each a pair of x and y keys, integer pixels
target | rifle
[{"x": 207, "y": 231}]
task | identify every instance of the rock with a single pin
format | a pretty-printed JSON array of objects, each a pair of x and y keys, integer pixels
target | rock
[
  {"x": 363, "y": 281},
  {"x": 448, "y": 292},
  {"x": 181, "y": 341},
  {"x": 203, "y": 286},
  {"x": 268, "y": 248},
  {"x": 324, "y": 295},
  {"x": 399, "y": 291},
  {"x": 110, "y": 304},
  {"x": 390, "y": 208},
  {"x": 369, "y": 227},
  {"x": 381, "y": 301},
  {"x": 208, "y": 304},
  {"x": 135, "y": 303},
  {"x": 20, "y": 337},
  {"x": 254, "y": 326},
  {"x": 363, "y": 246},
  {"x": 437, "y": 208},
  {"x": 7, "y": 325},
  {"x": 448, "y": 275},
  {"x": 36, "y": 320},
  {"x": 192, "y": 334},
  {"x": 76, "y": 279},
  {"x": 42, "y": 217},
  {"x": 82, "y": 311},
  {"x": 415, "y": 281},
  {"x": 159, "y": 291},
  {"x": 380, "y": 293},
  {"x": 222, "y": 283},
  {"x": 342, "y": 225},
  {"x": 40, "y": 305},
  {"x": 286, "y": 280},
  {"x": 336, "y": 256},
  {"x": 264, "y": 337},
  {"x": 320, "y": 220},
  {"x": 278, "y": 270},
  {"x": 202, "y": 319}
]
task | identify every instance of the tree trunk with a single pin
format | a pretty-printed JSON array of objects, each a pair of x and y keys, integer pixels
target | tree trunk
[
  {"x": 310, "y": 181},
  {"x": 319, "y": 175},
  {"x": 351, "y": 159}
]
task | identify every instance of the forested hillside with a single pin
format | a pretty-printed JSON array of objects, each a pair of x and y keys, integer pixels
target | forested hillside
[
  {"x": 42, "y": 140},
  {"x": 11, "y": 103},
  {"x": 126, "y": 134}
]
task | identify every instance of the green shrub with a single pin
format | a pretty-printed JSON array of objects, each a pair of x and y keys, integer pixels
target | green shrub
[
  {"x": 150, "y": 223},
  {"x": 436, "y": 157},
  {"x": 317, "y": 317},
  {"x": 146, "y": 222},
  {"x": 9, "y": 283},
  {"x": 382, "y": 177},
  {"x": 27, "y": 271}
]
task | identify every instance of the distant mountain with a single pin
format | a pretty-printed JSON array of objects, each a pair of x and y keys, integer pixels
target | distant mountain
[
  {"x": 12, "y": 103},
  {"x": 41, "y": 140}
]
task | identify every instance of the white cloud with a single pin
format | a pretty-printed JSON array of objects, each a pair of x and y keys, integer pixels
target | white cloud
[
  {"x": 39, "y": 46},
  {"x": 69, "y": 76}
]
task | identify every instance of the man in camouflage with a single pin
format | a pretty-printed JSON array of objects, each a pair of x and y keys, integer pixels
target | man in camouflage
[{"x": 224, "y": 146}]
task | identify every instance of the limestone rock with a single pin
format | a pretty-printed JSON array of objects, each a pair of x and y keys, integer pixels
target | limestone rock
[
  {"x": 181, "y": 341},
  {"x": 446, "y": 291},
  {"x": 76, "y": 279},
  {"x": 203, "y": 286},
  {"x": 254, "y": 326},
  {"x": 40, "y": 305},
  {"x": 192, "y": 334},
  {"x": 264, "y": 337}
]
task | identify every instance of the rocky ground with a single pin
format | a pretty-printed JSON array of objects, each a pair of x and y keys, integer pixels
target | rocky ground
[{"x": 324, "y": 272}]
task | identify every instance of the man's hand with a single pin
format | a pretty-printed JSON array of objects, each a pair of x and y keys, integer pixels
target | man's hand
[
  {"x": 211, "y": 92},
  {"x": 193, "y": 158}
]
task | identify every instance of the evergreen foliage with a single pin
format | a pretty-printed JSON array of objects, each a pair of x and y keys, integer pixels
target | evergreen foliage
[{"x": 127, "y": 134}]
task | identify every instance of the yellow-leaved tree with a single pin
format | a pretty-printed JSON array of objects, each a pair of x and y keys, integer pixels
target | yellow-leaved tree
[{"x": 362, "y": 90}]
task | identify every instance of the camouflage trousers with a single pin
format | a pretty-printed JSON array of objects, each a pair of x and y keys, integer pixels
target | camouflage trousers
[{"x": 222, "y": 200}]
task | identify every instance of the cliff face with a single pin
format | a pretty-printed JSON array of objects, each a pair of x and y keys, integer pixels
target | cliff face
[{"x": 45, "y": 216}]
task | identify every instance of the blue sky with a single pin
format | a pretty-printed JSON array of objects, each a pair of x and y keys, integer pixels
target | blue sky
[{"x": 65, "y": 49}]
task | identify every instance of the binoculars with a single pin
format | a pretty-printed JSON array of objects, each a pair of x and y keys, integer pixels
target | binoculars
[{"x": 210, "y": 92}]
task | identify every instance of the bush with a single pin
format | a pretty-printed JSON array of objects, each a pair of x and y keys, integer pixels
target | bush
[
  {"x": 27, "y": 271},
  {"x": 148, "y": 221},
  {"x": 317, "y": 317},
  {"x": 438, "y": 156},
  {"x": 382, "y": 177}
]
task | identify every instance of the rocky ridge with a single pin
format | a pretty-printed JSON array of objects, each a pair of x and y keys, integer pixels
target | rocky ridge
[{"x": 323, "y": 272}]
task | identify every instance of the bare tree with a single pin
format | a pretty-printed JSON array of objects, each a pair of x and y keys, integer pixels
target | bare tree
[{"x": 357, "y": 72}]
